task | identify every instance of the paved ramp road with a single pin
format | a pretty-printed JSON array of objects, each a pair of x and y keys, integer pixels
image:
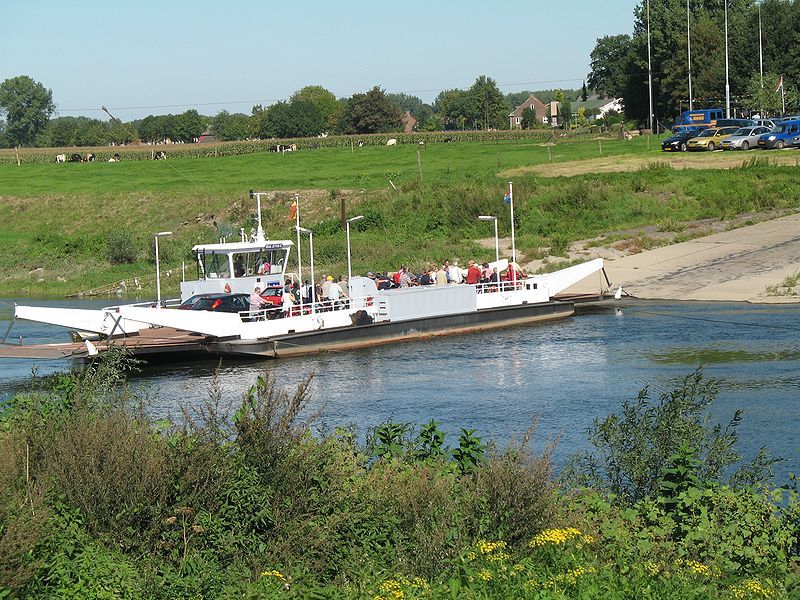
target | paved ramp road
[{"x": 733, "y": 265}]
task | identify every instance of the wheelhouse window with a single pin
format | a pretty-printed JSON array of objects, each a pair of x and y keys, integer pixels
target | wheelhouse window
[{"x": 214, "y": 266}]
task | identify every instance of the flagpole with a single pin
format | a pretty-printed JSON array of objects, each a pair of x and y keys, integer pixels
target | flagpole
[
  {"x": 760, "y": 59},
  {"x": 513, "y": 243},
  {"x": 649, "y": 72}
]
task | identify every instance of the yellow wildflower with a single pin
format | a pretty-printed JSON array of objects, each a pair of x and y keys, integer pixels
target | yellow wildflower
[
  {"x": 486, "y": 547},
  {"x": 485, "y": 574},
  {"x": 651, "y": 568},
  {"x": 554, "y": 536},
  {"x": 275, "y": 574},
  {"x": 694, "y": 567},
  {"x": 751, "y": 588}
]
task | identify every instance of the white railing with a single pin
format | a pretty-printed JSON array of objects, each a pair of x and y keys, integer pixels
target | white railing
[{"x": 296, "y": 310}]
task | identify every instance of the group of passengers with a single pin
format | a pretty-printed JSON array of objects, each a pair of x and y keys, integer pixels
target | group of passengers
[
  {"x": 446, "y": 274},
  {"x": 332, "y": 294}
]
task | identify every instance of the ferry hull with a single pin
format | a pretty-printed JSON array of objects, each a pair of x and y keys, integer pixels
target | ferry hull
[{"x": 353, "y": 337}]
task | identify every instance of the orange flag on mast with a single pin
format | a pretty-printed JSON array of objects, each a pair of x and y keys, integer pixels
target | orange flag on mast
[{"x": 293, "y": 210}]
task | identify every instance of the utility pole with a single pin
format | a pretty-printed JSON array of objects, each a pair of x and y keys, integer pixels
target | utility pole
[
  {"x": 689, "y": 47},
  {"x": 649, "y": 71},
  {"x": 727, "y": 81}
]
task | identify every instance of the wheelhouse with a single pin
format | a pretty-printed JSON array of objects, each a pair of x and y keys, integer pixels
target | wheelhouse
[{"x": 238, "y": 267}]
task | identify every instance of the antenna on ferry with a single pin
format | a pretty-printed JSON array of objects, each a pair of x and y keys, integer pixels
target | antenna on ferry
[{"x": 260, "y": 230}]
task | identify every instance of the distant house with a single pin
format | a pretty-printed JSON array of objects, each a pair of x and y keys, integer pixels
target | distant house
[
  {"x": 515, "y": 118},
  {"x": 409, "y": 122},
  {"x": 207, "y": 137},
  {"x": 597, "y": 108}
]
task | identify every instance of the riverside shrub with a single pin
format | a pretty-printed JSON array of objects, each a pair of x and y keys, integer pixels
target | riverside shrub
[{"x": 251, "y": 503}]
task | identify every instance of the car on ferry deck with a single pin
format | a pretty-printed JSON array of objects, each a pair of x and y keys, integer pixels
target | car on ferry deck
[
  {"x": 744, "y": 139},
  {"x": 710, "y": 139},
  {"x": 218, "y": 303}
]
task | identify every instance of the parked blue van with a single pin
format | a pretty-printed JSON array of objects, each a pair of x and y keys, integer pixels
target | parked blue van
[
  {"x": 783, "y": 135},
  {"x": 704, "y": 117}
]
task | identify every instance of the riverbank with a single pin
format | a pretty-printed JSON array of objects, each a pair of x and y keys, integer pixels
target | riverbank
[{"x": 737, "y": 265}]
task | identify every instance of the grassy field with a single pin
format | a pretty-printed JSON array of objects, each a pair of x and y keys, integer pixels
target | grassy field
[{"x": 65, "y": 224}]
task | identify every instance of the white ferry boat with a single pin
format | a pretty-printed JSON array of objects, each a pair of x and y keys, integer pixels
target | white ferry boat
[{"x": 368, "y": 317}]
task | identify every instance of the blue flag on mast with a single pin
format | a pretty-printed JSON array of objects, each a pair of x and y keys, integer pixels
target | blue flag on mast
[{"x": 507, "y": 198}]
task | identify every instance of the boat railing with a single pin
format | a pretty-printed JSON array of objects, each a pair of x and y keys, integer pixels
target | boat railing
[
  {"x": 305, "y": 308},
  {"x": 495, "y": 287},
  {"x": 171, "y": 303}
]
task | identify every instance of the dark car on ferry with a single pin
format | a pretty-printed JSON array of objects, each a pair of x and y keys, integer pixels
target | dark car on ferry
[
  {"x": 677, "y": 141},
  {"x": 232, "y": 303}
]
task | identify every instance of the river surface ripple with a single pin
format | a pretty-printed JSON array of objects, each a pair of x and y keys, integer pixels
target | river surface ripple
[{"x": 565, "y": 373}]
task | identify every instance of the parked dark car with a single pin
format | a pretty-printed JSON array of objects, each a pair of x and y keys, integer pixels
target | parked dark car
[
  {"x": 218, "y": 302},
  {"x": 734, "y": 123},
  {"x": 677, "y": 141}
]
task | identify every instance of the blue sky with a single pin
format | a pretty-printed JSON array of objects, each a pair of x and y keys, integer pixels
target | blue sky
[{"x": 145, "y": 56}]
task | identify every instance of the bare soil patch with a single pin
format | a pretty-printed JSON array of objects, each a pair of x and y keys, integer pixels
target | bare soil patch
[{"x": 630, "y": 163}]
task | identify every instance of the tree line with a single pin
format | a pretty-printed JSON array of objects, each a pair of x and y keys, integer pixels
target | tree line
[
  {"x": 27, "y": 107},
  {"x": 619, "y": 62}
]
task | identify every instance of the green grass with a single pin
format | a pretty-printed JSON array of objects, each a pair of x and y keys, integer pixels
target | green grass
[{"x": 57, "y": 218}]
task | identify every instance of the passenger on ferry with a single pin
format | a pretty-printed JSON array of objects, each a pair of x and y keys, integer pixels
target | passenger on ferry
[
  {"x": 441, "y": 276},
  {"x": 456, "y": 273},
  {"x": 264, "y": 268},
  {"x": 383, "y": 282},
  {"x": 256, "y": 301},
  {"x": 425, "y": 277},
  {"x": 238, "y": 267},
  {"x": 473, "y": 273},
  {"x": 407, "y": 279},
  {"x": 486, "y": 273},
  {"x": 326, "y": 286},
  {"x": 336, "y": 295},
  {"x": 306, "y": 293},
  {"x": 288, "y": 301}
]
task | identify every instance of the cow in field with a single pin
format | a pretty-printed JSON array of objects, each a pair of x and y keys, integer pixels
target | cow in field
[
  {"x": 61, "y": 158},
  {"x": 392, "y": 142},
  {"x": 160, "y": 155},
  {"x": 75, "y": 157},
  {"x": 89, "y": 157}
]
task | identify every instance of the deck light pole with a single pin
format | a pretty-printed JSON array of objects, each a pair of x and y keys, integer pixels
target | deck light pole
[
  {"x": 311, "y": 252},
  {"x": 347, "y": 227},
  {"x": 496, "y": 239},
  {"x": 158, "y": 269}
]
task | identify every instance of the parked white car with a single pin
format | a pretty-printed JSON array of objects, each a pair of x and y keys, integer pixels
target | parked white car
[{"x": 744, "y": 139}]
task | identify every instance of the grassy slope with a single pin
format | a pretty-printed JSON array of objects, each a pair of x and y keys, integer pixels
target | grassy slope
[{"x": 57, "y": 217}]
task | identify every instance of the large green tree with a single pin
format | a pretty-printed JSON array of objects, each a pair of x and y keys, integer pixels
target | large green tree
[
  {"x": 229, "y": 126},
  {"x": 323, "y": 100},
  {"x": 610, "y": 62},
  {"x": 293, "y": 119},
  {"x": 486, "y": 105},
  {"x": 189, "y": 125},
  {"x": 27, "y": 106},
  {"x": 372, "y": 112}
]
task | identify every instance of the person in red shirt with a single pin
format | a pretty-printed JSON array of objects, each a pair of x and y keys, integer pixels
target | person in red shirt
[{"x": 473, "y": 273}]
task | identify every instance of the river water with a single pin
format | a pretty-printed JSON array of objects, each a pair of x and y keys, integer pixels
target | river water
[{"x": 565, "y": 373}]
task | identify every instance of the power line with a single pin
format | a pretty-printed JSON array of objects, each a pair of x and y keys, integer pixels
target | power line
[{"x": 272, "y": 100}]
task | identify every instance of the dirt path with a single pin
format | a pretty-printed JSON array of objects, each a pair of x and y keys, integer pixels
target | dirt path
[{"x": 628, "y": 163}]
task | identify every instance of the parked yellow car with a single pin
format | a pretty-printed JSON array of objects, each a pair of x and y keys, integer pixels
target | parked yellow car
[{"x": 710, "y": 139}]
